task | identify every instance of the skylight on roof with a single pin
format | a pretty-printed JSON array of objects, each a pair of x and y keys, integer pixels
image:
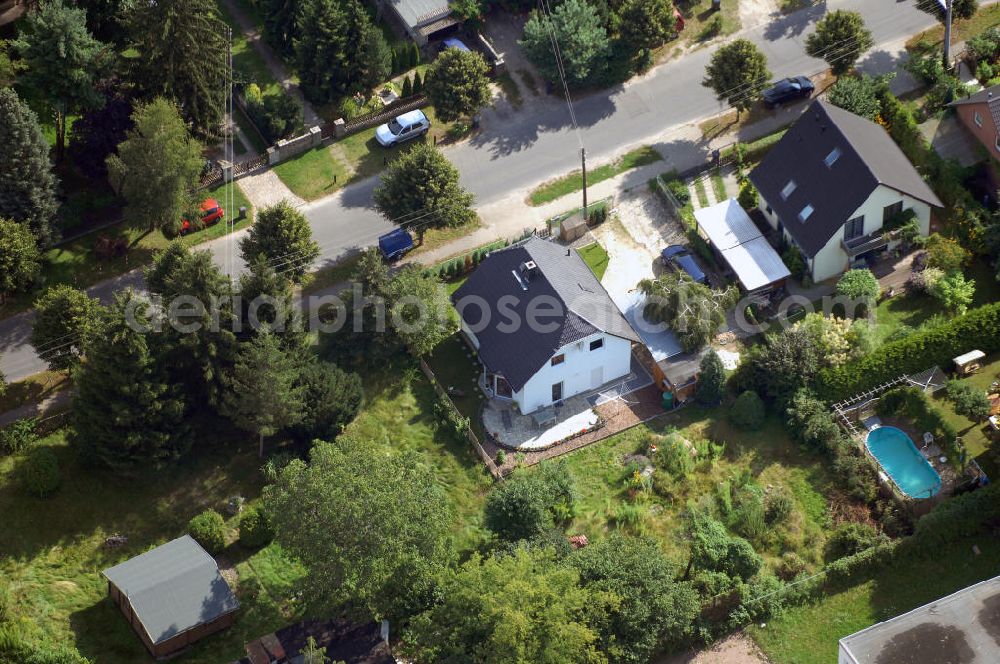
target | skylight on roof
[
  {"x": 787, "y": 191},
  {"x": 832, "y": 157},
  {"x": 806, "y": 212}
]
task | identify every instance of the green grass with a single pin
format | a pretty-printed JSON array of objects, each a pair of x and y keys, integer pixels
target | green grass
[
  {"x": 718, "y": 185},
  {"x": 53, "y": 552},
  {"x": 976, "y": 435},
  {"x": 700, "y": 20},
  {"x": 246, "y": 60},
  {"x": 596, "y": 259},
  {"x": 453, "y": 367},
  {"x": 510, "y": 89},
  {"x": 809, "y": 634},
  {"x": 986, "y": 17},
  {"x": 312, "y": 174},
  {"x": 76, "y": 264},
  {"x": 397, "y": 416},
  {"x": 768, "y": 454},
  {"x": 699, "y": 189},
  {"x": 571, "y": 182}
]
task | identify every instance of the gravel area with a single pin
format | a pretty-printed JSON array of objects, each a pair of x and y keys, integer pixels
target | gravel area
[{"x": 735, "y": 649}]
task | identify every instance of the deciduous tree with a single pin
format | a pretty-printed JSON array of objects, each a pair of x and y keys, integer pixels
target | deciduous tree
[
  {"x": 384, "y": 520},
  {"x": 841, "y": 37},
  {"x": 954, "y": 291},
  {"x": 182, "y": 56},
  {"x": 62, "y": 62},
  {"x": 531, "y": 502},
  {"x": 652, "y": 609},
  {"x": 20, "y": 261},
  {"x": 457, "y": 84},
  {"x": 738, "y": 74},
  {"x": 157, "y": 166},
  {"x": 714, "y": 549},
  {"x": 64, "y": 319},
  {"x": 694, "y": 311},
  {"x": 968, "y": 401},
  {"x": 646, "y": 24},
  {"x": 420, "y": 311},
  {"x": 127, "y": 413},
  {"x": 583, "y": 42},
  {"x": 282, "y": 235},
  {"x": 421, "y": 188},
  {"x": 262, "y": 394},
  {"x": 27, "y": 184},
  {"x": 523, "y": 607},
  {"x": 859, "y": 95}
]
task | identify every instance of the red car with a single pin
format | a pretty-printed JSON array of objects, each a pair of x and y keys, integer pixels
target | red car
[{"x": 211, "y": 212}]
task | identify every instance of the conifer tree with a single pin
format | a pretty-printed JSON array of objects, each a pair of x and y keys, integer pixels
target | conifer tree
[
  {"x": 27, "y": 184},
  {"x": 126, "y": 412}
]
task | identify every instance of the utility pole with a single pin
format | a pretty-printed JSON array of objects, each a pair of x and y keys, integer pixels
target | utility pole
[
  {"x": 947, "y": 35},
  {"x": 583, "y": 160}
]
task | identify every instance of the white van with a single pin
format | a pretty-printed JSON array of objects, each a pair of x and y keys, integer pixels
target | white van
[{"x": 402, "y": 128}]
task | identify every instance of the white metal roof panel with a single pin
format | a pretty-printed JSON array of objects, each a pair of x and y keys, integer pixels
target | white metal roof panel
[
  {"x": 727, "y": 224},
  {"x": 756, "y": 264}
]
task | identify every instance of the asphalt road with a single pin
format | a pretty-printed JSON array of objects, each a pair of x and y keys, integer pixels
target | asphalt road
[{"x": 514, "y": 151}]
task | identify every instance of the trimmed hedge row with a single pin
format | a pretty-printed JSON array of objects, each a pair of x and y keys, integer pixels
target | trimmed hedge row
[{"x": 979, "y": 329}]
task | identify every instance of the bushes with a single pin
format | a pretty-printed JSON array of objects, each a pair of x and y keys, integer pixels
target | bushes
[
  {"x": 209, "y": 530},
  {"x": 531, "y": 502},
  {"x": 276, "y": 116},
  {"x": 748, "y": 411},
  {"x": 18, "y": 436},
  {"x": 850, "y": 538},
  {"x": 39, "y": 472},
  {"x": 255, "y": 528},
  {"x": 968, "y": 401},
  {"x": 931, "y": 345}
]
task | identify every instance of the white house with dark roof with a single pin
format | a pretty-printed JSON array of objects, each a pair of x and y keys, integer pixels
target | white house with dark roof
[
  {"x": 832, "y": 182},
  {"x": 543, "y": 326}
]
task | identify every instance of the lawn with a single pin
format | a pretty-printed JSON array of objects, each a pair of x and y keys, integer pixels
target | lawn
[
  {"x": 699, "y": 190},
  {"x": 718, "y": 185},
  {"x": 246, "y": 60},
  {"x": 809, "y": 634},
  {"x": 701, "y": 24},
  {"x": 596, "y": 259},
  {"x": 75, "y": 263},
  {"x": 453, "y": 364},
  {"x": 314, "y": 173},
  {"x": 976, "y": 435},
  {"x": 571, "y": 182},
  {"x": 768, "y": 456}
]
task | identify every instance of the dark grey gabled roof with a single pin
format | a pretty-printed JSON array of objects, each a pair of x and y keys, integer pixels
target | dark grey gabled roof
[
  {"x": 868, "y": 158},
  {"x": 173, "y": 588},
  {"x": 990, "y": 96},
  {"x": 580, "y": 305}
]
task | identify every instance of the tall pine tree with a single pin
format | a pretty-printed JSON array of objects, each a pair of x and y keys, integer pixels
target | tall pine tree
[
  {"x": 27, "y": 184},
  {"x": 199, "y": 343},
  {"x": 262, "y": 394},
  {"x": 182, "y": 56},
  {"x": 266, "y": 300},
  {"x": 279, "y": 24},
  {"x": 126, "y": 412}
]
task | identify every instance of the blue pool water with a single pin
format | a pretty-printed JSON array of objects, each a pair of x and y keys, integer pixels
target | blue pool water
[{"x": 902, "y": 461}]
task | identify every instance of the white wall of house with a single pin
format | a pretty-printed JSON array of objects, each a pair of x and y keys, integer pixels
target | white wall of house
[
  {"x": 581, "y": 371},
  {"x": 469, "y": 333},
  {"x": 832, "y": 260}
]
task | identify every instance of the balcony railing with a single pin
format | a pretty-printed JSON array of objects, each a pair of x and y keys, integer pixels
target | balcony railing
[{"x": 865, "y": 243}]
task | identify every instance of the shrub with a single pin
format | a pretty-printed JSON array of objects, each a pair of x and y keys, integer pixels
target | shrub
[
  {"x": 209, "y": 530},
  {"x": 748, "y": 411},
  {"x": 748, "y": 195},
  {"x": 40, "y": 472},
  {"x": 968, "y": 401},
  {"x": 673, "y": 455},
  {"x": 407, "y": 88},
  {"x": 501, "y": 458},
  {"x": 19, "y": 435},
  {"x": 850, "y": 538},
  {"x": 778, "y": 506},
  {"x": 530, "y": 502},
  {"x": 858, "y": 284},
  {"x": 793, "y": 260},
  {"x": 790, "y": 566},
  {"x": 255, "y": 528}
]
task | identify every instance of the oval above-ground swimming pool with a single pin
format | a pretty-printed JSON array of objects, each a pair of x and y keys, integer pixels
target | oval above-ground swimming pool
[{"x": 902, "y": 461}]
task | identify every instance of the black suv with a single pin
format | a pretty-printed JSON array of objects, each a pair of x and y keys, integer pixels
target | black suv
[{"x": 788, "y": 89}]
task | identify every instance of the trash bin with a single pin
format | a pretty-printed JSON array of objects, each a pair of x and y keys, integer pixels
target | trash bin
[
  {"x": 243, "y": 212},
  {"x": 668, "y": 401}
]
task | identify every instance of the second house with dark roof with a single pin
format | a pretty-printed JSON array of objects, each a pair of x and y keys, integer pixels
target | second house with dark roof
[
  {"x": 543, "y": 326},
  {"x": 832, "y": 183}
]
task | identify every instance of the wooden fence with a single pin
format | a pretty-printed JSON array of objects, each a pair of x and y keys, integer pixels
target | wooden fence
[{"x": 469, "y": 434}]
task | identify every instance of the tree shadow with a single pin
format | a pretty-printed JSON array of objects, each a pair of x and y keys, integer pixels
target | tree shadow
[{"x": 796, "y": 23}]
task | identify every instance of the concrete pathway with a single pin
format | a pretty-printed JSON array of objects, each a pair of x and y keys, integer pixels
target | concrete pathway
[{"x": 274, "y": 64}]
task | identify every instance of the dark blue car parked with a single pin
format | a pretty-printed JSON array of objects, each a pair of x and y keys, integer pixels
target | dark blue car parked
[{"x": 678, "y": 257}]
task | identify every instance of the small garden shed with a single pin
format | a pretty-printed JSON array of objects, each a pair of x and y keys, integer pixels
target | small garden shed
[{"x": 172, "y": 595}]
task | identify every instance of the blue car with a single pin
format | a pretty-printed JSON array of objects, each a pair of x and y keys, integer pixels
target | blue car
[{"x": 678, "y": 257}]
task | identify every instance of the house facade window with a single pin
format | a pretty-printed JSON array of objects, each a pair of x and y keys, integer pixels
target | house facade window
[
  {"x": 978, "y": 119},
  {"x": 597, "y": 344},
  {"x": 557, "y": 392},
  {"x": 891, "y": 211},
  {"x": 854, "y": 228},
  {"x": 558, "y": 359}
]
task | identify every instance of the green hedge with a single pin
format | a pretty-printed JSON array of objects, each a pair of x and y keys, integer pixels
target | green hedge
[{"x": 979, "y": 329}]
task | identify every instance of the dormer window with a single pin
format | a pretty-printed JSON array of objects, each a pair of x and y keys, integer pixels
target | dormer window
[
  {"x": 832, "y": 158},
  {"x": 806, "y": 213},
  {"x": 787, "y": 191}
]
